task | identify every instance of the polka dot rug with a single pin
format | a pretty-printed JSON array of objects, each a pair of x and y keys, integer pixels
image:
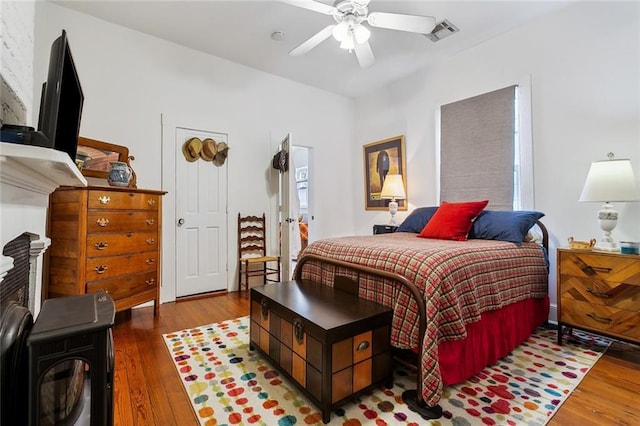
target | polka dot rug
[{"x": 228, "y": 384}]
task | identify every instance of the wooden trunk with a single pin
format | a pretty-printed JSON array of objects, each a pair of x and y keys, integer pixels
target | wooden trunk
[{"x": 332, "y": 344}]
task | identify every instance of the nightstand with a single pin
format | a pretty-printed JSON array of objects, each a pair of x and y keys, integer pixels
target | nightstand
[
  {"x": 599, "y": 292},
  {"x": 384, "y": 229}
]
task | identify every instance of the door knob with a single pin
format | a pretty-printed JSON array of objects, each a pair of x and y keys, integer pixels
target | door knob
[{"x": 180, "y": 222}]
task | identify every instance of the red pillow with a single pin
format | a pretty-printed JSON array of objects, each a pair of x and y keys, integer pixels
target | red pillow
[{"x": 452, "y": 221}]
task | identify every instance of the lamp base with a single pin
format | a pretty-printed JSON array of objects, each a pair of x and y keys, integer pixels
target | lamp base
[
  {"x": 393, "y": 209},
  {"x": 607, "y": 219},
  {"x": 603, "y": 246},
  {"x": 607, "y": 244}
]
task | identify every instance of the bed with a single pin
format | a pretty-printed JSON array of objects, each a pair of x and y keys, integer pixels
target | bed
[{"x": 451, "y": 299}]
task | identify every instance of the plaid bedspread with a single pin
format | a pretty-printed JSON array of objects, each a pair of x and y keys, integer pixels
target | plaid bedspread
[{"x": 459, "y": 280}]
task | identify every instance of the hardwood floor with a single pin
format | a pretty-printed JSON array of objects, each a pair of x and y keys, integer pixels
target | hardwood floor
[{"x": 148, "y": 390}]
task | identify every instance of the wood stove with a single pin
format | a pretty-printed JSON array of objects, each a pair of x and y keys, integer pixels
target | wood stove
[{"x": 71, "y": 361}]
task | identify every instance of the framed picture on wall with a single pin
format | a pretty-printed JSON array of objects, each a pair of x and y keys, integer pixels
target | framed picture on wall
[{"x": 382, "y": 158}]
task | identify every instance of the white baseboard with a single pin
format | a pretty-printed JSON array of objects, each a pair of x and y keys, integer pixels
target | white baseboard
[{"x": 553, "y": 313}]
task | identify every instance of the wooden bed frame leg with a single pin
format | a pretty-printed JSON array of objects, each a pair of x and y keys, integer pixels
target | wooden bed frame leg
[{"x": 418, "y": 405}]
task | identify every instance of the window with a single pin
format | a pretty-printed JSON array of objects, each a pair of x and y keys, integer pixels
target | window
[{"x": 485, "y": 149}]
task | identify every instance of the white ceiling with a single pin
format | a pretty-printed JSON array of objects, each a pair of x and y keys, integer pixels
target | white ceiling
[{"x": 240, "y": 30}]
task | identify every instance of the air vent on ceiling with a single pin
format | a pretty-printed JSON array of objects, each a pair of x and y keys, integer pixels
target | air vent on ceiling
[{"x": 442, "y": 29}]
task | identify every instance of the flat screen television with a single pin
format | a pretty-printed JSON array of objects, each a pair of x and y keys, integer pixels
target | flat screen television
[{"x": 62, "y": 100}]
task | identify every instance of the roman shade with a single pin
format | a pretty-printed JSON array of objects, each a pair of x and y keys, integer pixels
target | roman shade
[{"x": 477, "y": 149}]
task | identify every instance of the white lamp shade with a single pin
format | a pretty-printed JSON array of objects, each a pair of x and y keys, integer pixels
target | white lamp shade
[
  {"x": 361, "y": 33},
  {"x": 340, "y": 31},
  {"x": 610, "y": 180},
  {"x": 393, "y": 188}
]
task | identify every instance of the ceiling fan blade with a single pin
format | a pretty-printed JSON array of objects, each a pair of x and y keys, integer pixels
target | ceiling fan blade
[
  {"x": 396, "y": 21},
  {"x": 364, "y": 54},
  {"x": 312, "y": 42},
  {"x": 312, "y": 5}
]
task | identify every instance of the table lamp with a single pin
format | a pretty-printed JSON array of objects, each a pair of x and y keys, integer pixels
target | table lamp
[
  {"x": 607, "y": 181},
  {"x": 393, "y": 188}
]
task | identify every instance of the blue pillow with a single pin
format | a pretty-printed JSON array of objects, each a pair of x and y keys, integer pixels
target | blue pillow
[
  {"x": 509, "y": 226},
  {"x": 417, "y": 220}
]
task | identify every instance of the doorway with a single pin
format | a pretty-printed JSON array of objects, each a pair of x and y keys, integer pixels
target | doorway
[
  {"x": 201, "y": 219},
  {"x": 301, "y": 163}
]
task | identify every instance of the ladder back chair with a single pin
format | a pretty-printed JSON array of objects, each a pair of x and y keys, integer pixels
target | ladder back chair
[{"x": 252, "y": 252}]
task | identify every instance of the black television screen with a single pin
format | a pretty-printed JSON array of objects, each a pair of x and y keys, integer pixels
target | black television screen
[{"x": 62, "y": 99}]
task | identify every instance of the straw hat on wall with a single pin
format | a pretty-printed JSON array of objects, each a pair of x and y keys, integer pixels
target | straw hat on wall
[
  {"x": 221, "y": 155},
  {"x": 191, "y": 149},
  {"x": 209, "y": 149}
]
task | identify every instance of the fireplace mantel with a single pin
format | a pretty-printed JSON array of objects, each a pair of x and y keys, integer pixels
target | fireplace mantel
[
  {"x": 37, "y": 169},
  {"x": 28, "y": 174}
]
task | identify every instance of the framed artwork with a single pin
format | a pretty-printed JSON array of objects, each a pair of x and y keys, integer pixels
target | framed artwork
[{"x": 381, "y": 159}]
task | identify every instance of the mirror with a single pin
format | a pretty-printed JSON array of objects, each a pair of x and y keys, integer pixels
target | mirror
[{"x": 94, "y": 157}]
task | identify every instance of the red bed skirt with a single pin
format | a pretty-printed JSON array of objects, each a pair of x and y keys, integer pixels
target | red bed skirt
[{"x": 493, "y": 337}]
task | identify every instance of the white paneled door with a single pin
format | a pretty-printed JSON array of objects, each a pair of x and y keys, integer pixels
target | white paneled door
[{"x": 201, "y": 219}]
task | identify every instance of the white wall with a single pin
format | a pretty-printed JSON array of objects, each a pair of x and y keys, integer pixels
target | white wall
[
  {"x": 129, "y": 79},
  {"x": 583, "y": 64},
  {"x": 584, "y": 67}
]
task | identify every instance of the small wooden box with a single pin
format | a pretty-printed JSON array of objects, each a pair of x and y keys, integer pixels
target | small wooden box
[{"x": 330, "y": 343}]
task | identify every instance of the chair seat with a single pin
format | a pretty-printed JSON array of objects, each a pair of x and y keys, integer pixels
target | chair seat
[{"x": 261, "y": 259}]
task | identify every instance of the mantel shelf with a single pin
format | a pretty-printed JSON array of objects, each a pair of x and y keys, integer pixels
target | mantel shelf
[{"x": 37, "y": 169}]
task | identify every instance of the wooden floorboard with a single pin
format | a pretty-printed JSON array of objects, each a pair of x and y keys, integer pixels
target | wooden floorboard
[{"x": 148, "y": 390}]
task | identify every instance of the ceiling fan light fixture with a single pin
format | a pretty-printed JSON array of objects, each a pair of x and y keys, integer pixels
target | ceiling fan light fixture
[
  {"x": 340, "y": 31},
  {"x": 348, "y": 43},
  {"x": 361, "y": 33}
]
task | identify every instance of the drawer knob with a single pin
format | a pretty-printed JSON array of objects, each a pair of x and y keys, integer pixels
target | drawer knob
[
  {"x": 599, "y": 318},
  {"x": 363, "y": 346},
  {"x": 101, "y": 245},
  {"x": 101, "y": 269},
  {"x": 298, "y": 330},
  {"x": 151, "y": 241},
  {"x": 104, "y": 199},
  {"x": 151, "y": 202},
  {"x": 264, "y": 308},
  {"x": 102, "y": 222},
  {"x": 150, "y": 221},
  {"x": 150, "y": 281},
  {"x": 604, "y": 295},
  {"x": 151, "y": 261}
]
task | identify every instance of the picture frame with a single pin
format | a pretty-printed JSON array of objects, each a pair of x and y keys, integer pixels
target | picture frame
[{"x": 383, "y": 157}]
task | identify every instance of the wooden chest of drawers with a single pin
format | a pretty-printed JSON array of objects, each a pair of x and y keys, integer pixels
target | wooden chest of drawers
[
  {"x": 105, "y": 239},
  {"x": 599, "y": 292},
  {"x": 330, "y": 343}
]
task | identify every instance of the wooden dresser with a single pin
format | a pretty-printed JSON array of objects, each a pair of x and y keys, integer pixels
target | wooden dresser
[
  {"x": 105, "y": 239},
  {"x": 332, "y": 344},
  {"x": 599, "y": 292}
]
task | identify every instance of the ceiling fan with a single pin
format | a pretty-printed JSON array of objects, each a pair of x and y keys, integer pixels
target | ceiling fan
[{"x": 349, "y": 29}]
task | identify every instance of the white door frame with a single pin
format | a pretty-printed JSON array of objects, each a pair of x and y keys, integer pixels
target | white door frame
[{"x": 168, "y": 125}]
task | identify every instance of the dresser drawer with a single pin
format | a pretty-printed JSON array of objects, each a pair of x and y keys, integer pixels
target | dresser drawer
[
  {"x": 600, "y": 318},
  {"x": 120, "y": 243},
  {"x": 105, "y": 199},
  {"x": 599, "y": 266},
  {"x": 122, "y": 287},
  {"x": 99, "y": 268},
  {"x": 600, "y": 292},
  {"x": 116, "y": 221}
]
